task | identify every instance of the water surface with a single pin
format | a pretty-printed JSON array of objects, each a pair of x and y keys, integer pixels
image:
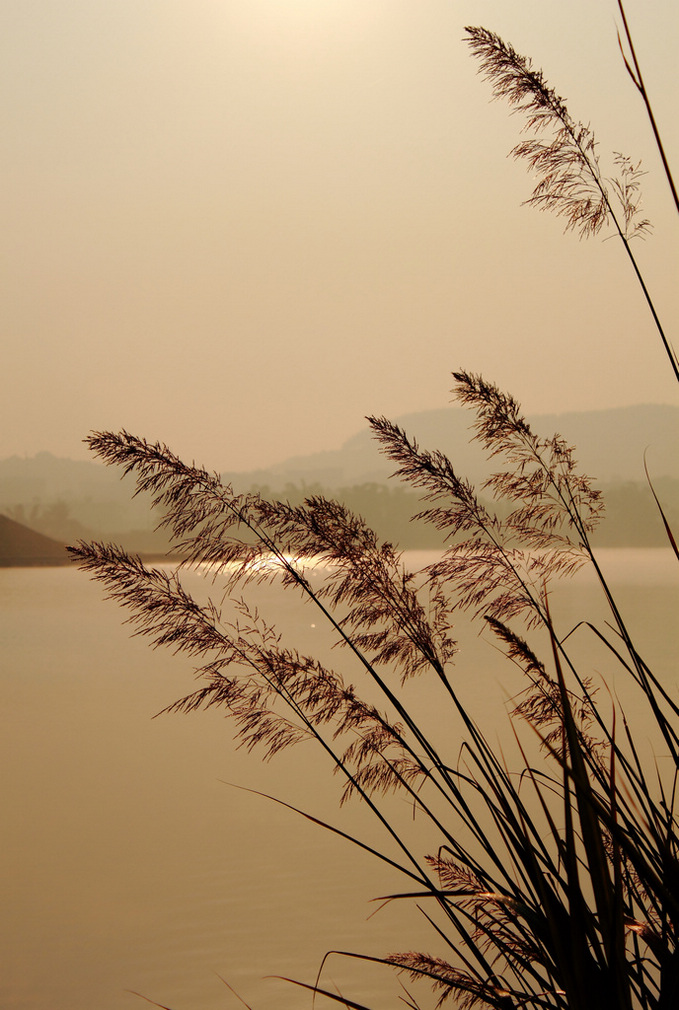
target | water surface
[{"x": 128, "y": 863}]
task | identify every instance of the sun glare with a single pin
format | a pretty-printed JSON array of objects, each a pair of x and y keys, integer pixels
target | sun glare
[{"x": 303, "y": 23}]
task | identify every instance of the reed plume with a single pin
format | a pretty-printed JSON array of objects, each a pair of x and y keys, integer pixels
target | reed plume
[{"x": 563, "y": 154}]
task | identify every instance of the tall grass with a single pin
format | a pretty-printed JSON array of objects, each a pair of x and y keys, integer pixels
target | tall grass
[{"x": 552, "y": 882}]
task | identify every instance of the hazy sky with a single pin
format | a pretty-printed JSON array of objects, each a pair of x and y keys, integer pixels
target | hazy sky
[{"x": 238, "y": 226}]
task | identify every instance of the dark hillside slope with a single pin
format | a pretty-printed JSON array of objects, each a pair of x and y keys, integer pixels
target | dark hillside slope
[{"x": 20, "y": 546}]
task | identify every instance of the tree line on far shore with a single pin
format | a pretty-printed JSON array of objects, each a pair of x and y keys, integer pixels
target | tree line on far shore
[{"x": 631, "y": 518}]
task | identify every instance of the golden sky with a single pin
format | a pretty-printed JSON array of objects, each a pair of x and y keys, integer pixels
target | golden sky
[{"x": 238, "y": 226}]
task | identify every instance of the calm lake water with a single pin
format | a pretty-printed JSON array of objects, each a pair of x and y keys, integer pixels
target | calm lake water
[{"x": 128, "y": 862}]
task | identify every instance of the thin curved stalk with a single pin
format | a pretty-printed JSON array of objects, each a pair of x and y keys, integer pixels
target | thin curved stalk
[{"x": 638, "y": 81}]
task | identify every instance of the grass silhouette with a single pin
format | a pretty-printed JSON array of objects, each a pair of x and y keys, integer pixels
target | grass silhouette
[{"x": 554, "y": 882}]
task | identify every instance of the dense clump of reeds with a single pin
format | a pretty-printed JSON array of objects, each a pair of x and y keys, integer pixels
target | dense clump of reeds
[
  {"x": 567, "y": 898},
  {"x": 562, "y": 890}
]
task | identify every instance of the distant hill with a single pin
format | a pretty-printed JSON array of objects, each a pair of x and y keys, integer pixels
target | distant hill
[
  {"x": 69, "y": 500},
  {"x": 76, "y": 499},
  {"x": 609, "y": 445},
  {"x": 20, "y": 545}
]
